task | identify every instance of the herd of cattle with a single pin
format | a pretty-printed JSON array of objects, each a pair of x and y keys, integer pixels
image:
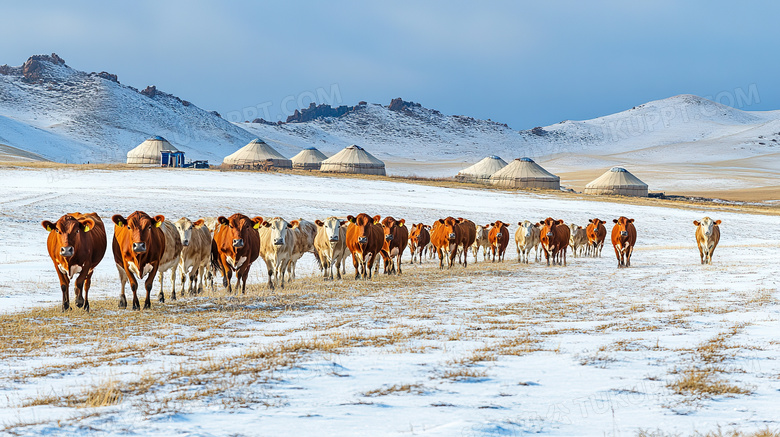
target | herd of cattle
[{"x": 146, "y": 246}]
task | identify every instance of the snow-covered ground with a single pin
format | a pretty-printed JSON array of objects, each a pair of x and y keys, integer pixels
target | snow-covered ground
[{"x": 585, "y": 349}]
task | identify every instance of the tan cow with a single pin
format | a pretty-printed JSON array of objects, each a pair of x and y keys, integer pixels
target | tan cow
[
  {"x": 277, "y": 242},
  {"x": 578, "y": 240},
  {"x": 482, "y": 241},
  {"x": 195, "y": 257},
  {"x": 527, "y": 238},
  {"x": 331, "y": 244},
  {"x": 170, "y": 257},
  {"x": 306, "y": 233},
  {"x": 707, "y": 238}
]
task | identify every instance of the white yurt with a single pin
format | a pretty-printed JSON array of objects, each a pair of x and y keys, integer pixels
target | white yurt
[
  {"x": 256, "y": 154},
  {"x": 353, "y": 159},
  {"x": 308, "y": 159},
  {"x": 525, "y": 173},
  {"x": 148, "y": 152},
  {"x": 481, "y": 171},
  {"x": 617, "y": 180}
]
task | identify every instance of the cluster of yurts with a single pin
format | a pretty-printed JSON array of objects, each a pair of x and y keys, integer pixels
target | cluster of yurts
[
  {"x": 525, "y": 173},
  {"x": 256, "y": 154},
  {"x": 520, "y": 173}
]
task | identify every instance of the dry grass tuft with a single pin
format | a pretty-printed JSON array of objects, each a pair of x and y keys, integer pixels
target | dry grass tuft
[{"x": 417, "y": 389}]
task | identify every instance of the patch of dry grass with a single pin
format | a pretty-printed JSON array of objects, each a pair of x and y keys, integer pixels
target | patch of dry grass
[{"x": 416, "y": 389}]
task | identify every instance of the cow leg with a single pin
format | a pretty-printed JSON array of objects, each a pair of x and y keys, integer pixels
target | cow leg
[
  {"x": 64, "y": 285},
  {"x": 400, "y": 255},
  {"x": 123, "y": 281},
  {"x": 149, "y": 285},
  {"x": 270, "y": 268},
  {"x": 357, "y": 267},
  {"x": 564, "y": 255},
  {"x": 161, "y": 296},
  {"x": 78, "y": 288},
  {"x": 173, "y": 285},
  {"x": 701, "y": 252},
  {"x": 87, "y": 285}
]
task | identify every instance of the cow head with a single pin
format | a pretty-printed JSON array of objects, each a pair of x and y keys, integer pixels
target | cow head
[
  {"x": 278, "y": 227},
  {"x": 482, "y": 232},
  {"x": 448, "y": 226},
  {"x": 596, "y": 222},
  {"x": 184, "y": 227},
  {"x": 707, "y": 225},
  {"x": 363, "y": 222},
  {"x": 502, "y": 228},
  {"x": 527, "y": 228},
  {"x": 622, "y": 225},
  {"x": 332, "y": 227},
  {"x": 69, "y": 231},
  {"x": 550, "y": 223},
  {"x": 140, "y": 226},
  {"x": 236, "y": 228},
  {"x": 389, "y": 225}
]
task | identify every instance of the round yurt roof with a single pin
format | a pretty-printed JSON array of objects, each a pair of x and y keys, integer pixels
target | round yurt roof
[
  {"x": 148, "y": 152},
  {"x": 309, "y": 158},
  {"x": 525, "y": 173},
  {"x": 255, "y": 153},
  {"x": 353, "y": 159},
  {"x": 617, "y": 180},
  {"x": 482, "y": 170}
]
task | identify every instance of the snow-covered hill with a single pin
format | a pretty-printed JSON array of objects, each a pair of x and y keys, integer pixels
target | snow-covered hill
[
  {"x": 49, "y": 108},
  {"x": 63, "y": 114}
]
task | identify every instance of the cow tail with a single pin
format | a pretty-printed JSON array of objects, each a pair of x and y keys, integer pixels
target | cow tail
[{"x": 317, "y": 257}]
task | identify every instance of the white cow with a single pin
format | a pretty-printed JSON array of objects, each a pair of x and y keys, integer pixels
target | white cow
[
  {"x": 707, "y": 238},
  {"x": 331, "y": 244},
  {"x": 527, "y": 237},
  {"x": 195, "y": 256},
  {"x": 578, "y": 239},
  {"x": 276, "y": 248}
]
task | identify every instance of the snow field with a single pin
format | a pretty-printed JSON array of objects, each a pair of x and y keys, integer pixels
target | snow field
[{"x": 493, "y": 349}]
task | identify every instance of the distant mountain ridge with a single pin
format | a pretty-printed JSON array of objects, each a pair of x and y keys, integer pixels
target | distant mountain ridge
[{"x": 50, "y": 109}]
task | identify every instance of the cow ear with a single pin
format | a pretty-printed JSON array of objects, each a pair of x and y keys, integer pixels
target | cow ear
[
  {"x": 118, "y": 220},
  {"x": 293, "y": 223},
  {"x": 266, "y": 224},
  {"x": 631, "y": 220},
  {"x": 158, "y": 220},
  {"x": 590, "y": 220},
  {"x": 87, "y": 224},
  {"x": 343, "y": 222},
  {"x": 402, "y": 223},
  {"x": 441, "y": 221},
  {"x": 377, "y": 219},
  {"x": 351, "y": 219},
  {"x": 560, "y": 222},
  {"x": 717, "y": 222},
  {"x": 696, "y": 223},
  {"x": 614, "y": 220},
  {"x": 318, "y": 223},
  {"x": 258, "y": 221},
  {"x": 289, "y": 225},
  {"x": 49, "y": 226},
  {"x": 223, "y": 220},
  {"x": 199, "y": 222}
]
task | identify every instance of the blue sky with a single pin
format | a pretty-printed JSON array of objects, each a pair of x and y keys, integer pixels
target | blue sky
[{"x": 522, "y": 63}]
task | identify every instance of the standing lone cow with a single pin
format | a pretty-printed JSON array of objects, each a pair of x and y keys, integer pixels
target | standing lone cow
[
  {"x": 76, "y": 244},
  {"x": 623, "y": 240},
  {"x": 707, "y": 237}
]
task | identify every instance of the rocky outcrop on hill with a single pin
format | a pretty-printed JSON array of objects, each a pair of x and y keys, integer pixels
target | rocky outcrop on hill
[{"x": 315, "y": 112}]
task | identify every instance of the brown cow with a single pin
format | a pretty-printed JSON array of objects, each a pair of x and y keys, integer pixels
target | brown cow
[
  {"x": 76, "y": 245},
  {"x": 596, "y": 233},
  {"x": 236, "y": 245},
  {"x": 623, "y": 240},
  {"x": 419, "y": 239},
  {"x": 554, "y": 237},
  {"x": 447, "y": 236},
  {"x": 395, "y": 240},
  {"x": 499, "y": 239},
  {"x": 365, "y": 239},
  {"x": 707, "y": 238},
  {"x": 469, "y": 235},
  {"x": 138, "y": 246}
]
